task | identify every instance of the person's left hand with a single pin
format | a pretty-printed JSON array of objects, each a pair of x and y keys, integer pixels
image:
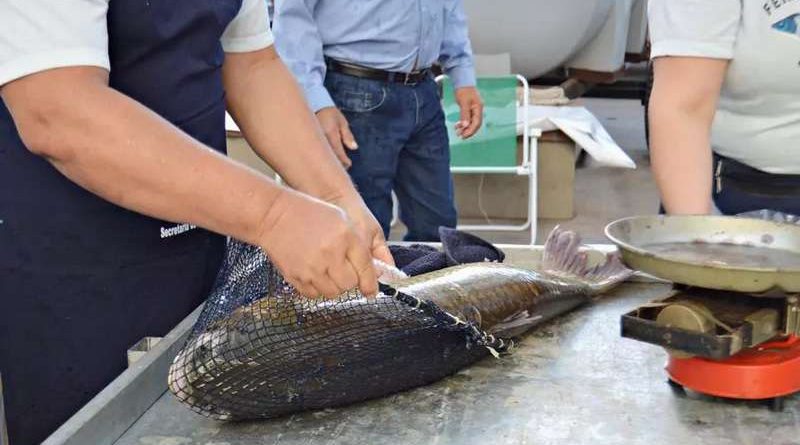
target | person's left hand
[
  {"x": 366, "y": 226},
  {"x": 471, "y": 105}
]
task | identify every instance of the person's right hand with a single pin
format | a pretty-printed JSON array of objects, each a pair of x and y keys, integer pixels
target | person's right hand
[
  {"x": 315, "y": 246},
  {"x": 337, "y": 130}
]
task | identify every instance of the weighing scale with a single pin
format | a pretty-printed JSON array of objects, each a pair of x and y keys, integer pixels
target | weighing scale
[{"x": 731, "y": 324}]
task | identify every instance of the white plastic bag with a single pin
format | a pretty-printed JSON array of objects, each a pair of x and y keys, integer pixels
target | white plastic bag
[
  {"x": 580, "y": 125},
  {"x": 771, "y": 215}
]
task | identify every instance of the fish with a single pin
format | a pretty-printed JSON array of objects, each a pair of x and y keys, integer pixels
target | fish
[{"x": 284, "y": 353}]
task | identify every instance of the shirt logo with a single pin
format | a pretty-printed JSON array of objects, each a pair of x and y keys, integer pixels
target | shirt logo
[
  {"x": 777, "y": 7},
  {"x": 790, "y": 25},
  {"x": 168, "y": 232}
]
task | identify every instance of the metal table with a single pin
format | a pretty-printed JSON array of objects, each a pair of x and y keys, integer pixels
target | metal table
[{"x": 574, "y": 380}]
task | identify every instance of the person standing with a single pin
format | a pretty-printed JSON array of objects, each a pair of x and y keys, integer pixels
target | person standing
[
  {"x": 365, "y": 67},
  {"x": 725, "y": 105},
  {"x": 114, "y": 186}
]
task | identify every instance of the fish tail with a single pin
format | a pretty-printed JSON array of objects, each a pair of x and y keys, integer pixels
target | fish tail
[{"x": 563, "y": 258}]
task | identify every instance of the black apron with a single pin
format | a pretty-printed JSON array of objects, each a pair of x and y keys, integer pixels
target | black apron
[{"x": 81, "y": 279}]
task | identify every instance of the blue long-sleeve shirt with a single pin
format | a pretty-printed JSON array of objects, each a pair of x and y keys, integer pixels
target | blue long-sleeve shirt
[{"x": 391, "y": 35}]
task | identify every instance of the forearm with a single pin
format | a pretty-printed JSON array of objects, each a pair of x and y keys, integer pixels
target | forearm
[
  {"x": 456, "y": 56},
  {"x": 681, "y": 158},
  {"x": 123, "y": 152},
  {"x": 269, "y": 108},
  {"x": 299, "y": 43},
  {"x": 682, "y": 108}
]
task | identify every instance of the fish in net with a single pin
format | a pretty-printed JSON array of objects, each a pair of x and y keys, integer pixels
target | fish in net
[{"x": 261, "y": 350}]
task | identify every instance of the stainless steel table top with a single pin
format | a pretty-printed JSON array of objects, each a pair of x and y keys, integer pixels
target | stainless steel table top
[{"x": 571, "y": 381}]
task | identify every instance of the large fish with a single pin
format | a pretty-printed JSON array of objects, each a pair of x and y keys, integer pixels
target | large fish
[{"x": 284, "y": 353}]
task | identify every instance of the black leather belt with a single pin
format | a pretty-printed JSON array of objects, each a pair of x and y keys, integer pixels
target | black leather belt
[{"x": 350, "y": 69}]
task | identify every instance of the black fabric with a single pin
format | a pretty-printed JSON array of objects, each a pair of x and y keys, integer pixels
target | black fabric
[
  {"x": 457, "y": 248},
  {"x": 754, "y": 180},
  {"x": 741, "y": 188},
  {"x": 81, "y": 279},
  {"x": 463, "y": 247},
  {"x": 407, "y": 254},
  {"x": 738, "y": 188}
]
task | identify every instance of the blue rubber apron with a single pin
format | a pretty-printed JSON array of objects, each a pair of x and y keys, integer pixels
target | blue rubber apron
[{"x": 81, "y": 279}]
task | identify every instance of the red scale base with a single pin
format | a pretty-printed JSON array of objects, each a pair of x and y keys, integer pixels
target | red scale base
[{"x": 768, "y": 371}]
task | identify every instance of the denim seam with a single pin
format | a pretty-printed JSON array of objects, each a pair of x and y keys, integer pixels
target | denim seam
[
  {"x": 384, "y": 96},
  {"x": 416, "y": 108}
]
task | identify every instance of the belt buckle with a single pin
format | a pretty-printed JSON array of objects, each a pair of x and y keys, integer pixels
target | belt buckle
[{"x": 407, "y": 79}]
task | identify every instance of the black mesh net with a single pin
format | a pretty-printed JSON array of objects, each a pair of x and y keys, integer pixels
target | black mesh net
[{"x": 261, "y": 350}]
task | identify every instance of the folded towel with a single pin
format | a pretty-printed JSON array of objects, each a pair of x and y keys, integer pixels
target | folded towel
[{"x": 457, "y": 248}]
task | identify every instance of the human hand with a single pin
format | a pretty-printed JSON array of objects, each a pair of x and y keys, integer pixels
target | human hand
[
  {"x": 337, "y": 130},
  {"x": 366, "y": 226},
  {"x": 317, "y": 247},
  {"x": 471, "y": 105}
]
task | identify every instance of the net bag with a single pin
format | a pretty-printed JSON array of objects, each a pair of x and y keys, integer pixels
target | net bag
[{"x": 261, "y": 350}]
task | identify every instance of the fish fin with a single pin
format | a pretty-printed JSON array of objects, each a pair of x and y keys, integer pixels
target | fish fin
[
  {"x": 562, "y": 257},
  {"x": 515, "y": 325},
  {"x": 473, "y": 316}
]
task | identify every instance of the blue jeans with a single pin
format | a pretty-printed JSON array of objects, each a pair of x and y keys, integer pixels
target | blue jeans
[{"x": 402, "y": 146}]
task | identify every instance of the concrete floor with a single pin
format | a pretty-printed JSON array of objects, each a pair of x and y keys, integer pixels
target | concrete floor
[{"x": 601, "y": 194}]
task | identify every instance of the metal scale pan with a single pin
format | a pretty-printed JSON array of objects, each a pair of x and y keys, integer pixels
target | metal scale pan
[{"x": 715, "y": 252}]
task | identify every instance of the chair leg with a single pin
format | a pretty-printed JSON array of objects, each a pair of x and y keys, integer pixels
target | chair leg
[
  {"x": 533, "y": 184},
  {"x": 532, "y": 211}
]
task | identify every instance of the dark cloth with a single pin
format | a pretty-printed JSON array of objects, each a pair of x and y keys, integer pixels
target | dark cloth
[
  {"x": 739, "y": 188},
  {"x": 457, "y": 248},
  {"x": 81, "y": 280},
  {"x": 402, "y": 146}
]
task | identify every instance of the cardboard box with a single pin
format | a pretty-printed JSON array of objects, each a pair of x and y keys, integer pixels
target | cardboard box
[
  {"x": 556, "y": 176},
  {"x": 505, "y": 196}
]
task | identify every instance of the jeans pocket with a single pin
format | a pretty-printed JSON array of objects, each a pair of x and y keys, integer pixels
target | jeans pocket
[{"x": 361, "y": 97}]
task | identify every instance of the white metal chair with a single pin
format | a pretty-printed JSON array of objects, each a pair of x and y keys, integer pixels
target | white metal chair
[{"x": 493, "y": 150}]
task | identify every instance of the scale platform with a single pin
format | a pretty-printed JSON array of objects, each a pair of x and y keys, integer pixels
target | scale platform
[{"x": 732, "y": 325}]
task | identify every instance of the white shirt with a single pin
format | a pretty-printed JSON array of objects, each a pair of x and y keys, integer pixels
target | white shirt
[
  {"x": 37, "y": 35},
  {"x": 758, "y": 115}
]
